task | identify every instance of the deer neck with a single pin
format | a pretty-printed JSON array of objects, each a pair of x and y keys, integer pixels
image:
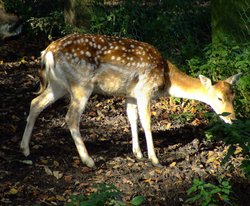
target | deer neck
[{"x": 183, "y": 86}]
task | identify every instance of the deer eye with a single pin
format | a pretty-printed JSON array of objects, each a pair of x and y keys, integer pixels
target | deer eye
[{"x": 220, "y": 99}]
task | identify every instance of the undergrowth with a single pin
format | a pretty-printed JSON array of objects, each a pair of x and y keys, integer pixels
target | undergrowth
[
  {"x": 105, "y": 195},
  {"x": 208, "y": 194},
  {"x": 236, "y": 136}
]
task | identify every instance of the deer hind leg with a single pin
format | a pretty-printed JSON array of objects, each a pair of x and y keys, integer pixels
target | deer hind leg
[
  {"x": 143, "y": 102},
  {"x": 38, "y": 104},
  {"x": 79, "y": 99},
  {"x": 132, "y": 113}
]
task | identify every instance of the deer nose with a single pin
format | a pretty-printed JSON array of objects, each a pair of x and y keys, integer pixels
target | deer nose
[{"x": 228, "y": 119}]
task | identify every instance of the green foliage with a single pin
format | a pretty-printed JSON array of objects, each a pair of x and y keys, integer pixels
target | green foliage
[
  {"x": 49, "y": 25},
  {"x": 207, "y": 194},
  {"x": 121, "y": 20},
  {"x": 138, "y": 200},
  {"x": 38, "y": 18},
  {"x": 236, "y": 135},
  {"x": 17, "y": 7},
  {"x": 223, "y": 60},
  {"x": 176, "y": 28},
  {"x": 26, "y": 9},
  {"x": 181, "y": 118},
  {"x": 233, "y": 22},
  {"x": 105, "y": 195}
]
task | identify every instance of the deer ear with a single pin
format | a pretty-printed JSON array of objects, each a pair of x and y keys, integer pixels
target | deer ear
[
  {"x": 206, "y": 82},
  {"x": 233, "y": 79}
]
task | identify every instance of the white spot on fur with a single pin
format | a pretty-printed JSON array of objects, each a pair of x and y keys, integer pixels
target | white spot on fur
[{"x": 88, "y": 54}]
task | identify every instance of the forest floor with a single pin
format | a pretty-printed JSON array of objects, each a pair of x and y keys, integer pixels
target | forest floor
[{"x": 53, "y": 172}]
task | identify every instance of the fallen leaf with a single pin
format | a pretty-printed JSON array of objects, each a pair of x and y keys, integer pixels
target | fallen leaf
[
  {"x": 55, "y": 163},
  {"x": 211, "y": 171},
  {"x": 153, "y": 113},
  {"x": 148, "y": 180},
  {"x": 126, "y": 181},
  {"x": 196, "y": 122},
  {"x": 27, "y": 162},
  {"x": 210, "y": 153},
  {"x": 216, "y": 163},
  {"x": 178, "y": 175},
  {"x": 48, "y": 170},
  {"x": 158, "y": 171},
  {"x": 68, "y": 178},
  {"x": 44, "y": 161},
  {"x": 13, "y": 191},
  {"x": 60, "y": 198},
  {"x": 238, "y": 150},
  {"x": 57, "y": 174},
  {"x": 50, "y": 199},
  {"x": 168, "y": 127},
  {"x": 193, "y": 110},
  {"x": 109, "y": 173},
  {"x": 211, "y": 159},
  {"x": 172, "y": 164}
]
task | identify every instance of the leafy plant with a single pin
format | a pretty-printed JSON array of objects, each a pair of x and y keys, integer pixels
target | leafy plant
[
  {"x": 124, "y": 19},
  {"x": 49, "y": 25},
  {"x": 105, "y": 195},
  {"x": 26, "y": 9},
  {"x": 208, "y": 194},
  {"x": 176, "y": 28},
  {"x": 236, "y": 135},
  {"x": 138, "y": 200},
  {"x": 182, "y": 117}
]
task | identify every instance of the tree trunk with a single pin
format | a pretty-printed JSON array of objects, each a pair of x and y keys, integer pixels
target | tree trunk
[
  {"x": 9, "y": 23},
  {"x": 77, "y": 12},
  {"x": 230, "y": 18}
]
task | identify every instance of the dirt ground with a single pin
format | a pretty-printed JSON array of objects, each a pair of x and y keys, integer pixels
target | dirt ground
[{"x": 54, "y": 172}]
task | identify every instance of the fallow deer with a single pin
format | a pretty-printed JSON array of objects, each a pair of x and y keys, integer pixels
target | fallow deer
[{"x": 79, "y": 65}]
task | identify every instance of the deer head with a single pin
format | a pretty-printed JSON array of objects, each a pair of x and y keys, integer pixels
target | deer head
[{"x": 220, "y": 96}]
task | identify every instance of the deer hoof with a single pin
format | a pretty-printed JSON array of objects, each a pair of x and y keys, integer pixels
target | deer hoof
[
  {"x": 154, "y": 160},
  {"x": 25, "y": 150},
  {"x": 89, "y": 162},
  {"x": 138, "y": 154}
]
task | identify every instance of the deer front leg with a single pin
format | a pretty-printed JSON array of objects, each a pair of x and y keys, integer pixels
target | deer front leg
[
  {"x": 143, "y": 102},
  {"x": 133, "y": 117},
  {"x": 77, "y": 105}
]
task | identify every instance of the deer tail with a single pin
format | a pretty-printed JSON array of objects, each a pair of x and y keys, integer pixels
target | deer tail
[{"x": 47, "y": 62}]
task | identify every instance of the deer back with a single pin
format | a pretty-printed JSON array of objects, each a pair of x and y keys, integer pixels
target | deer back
[{"x": 113, "y": 65}]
